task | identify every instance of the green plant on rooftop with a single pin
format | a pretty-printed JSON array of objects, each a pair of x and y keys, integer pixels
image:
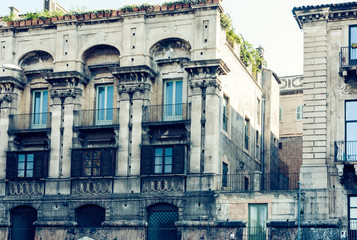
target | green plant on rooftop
[
  {"x": 9, "y": 18},
  {"x": 249, "y": 55}
]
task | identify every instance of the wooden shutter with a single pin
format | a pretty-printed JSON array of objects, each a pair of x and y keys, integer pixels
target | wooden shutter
[
  {"x": 107, "y": 162},
  {"x": 147, "y": 160},
  {"x": 178, "y": 159},
  {"x": 38, "y": 168},
  {"x": 11, "y": 165},
  {"x": 76, "y": 163}
]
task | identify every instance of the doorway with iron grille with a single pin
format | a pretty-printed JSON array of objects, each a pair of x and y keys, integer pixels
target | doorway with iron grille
[
  {"x": 161, "y": 222},
  {"x": 22, "y": 219}
]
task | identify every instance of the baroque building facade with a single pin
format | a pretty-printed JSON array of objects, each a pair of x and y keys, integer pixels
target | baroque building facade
[
  {"x": 328, "y": 176},
  {"x": 137, "y": 125}
]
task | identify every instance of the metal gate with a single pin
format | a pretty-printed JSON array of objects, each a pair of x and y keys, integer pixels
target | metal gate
[
  {"x": 22, "y": 219},
  {"x": 161, "y": 223}
]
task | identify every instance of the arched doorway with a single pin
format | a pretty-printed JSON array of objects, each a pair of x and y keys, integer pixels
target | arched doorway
[
  {"x": 90, "y": 216},
  {"x": 161, "y": 222},
  {"x": 22, "y": 219}
]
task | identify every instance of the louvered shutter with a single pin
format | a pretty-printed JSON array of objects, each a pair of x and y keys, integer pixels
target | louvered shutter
[
  {"x": 38, "y": 168},
  {"x": 107, "y": 162},
  {"x": 179, "y": 159},
  {"x": 11, "y": 165},
  {"x": 147, "y": 160},
  {"x": 76, "y": 163}
]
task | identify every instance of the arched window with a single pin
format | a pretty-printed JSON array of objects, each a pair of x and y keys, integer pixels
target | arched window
[
  {"x": 22, "y": 219},
  {"x": 299, "y": 111},
  {"x": 90, "y": 216},
  {"x": 161, "y": 222}
]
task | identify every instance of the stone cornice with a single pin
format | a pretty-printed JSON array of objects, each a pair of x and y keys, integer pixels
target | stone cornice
[
  {"x": 210, "y": 67},
  {"x": 65, "y": 78},
  {"x": 8, "y": 83},
  {"x": 134, "y": 74}
]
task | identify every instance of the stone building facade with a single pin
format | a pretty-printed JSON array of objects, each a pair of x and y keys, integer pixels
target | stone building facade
[
  {"x": 328, "y": 176},
  {"x": 136, "y": 125}
]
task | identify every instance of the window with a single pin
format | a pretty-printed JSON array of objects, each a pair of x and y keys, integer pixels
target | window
[
  {"x": 351, "y": 130},
  {"x": 353, "y": 42},
  {"x": 246, "y": 133},
  {"x": 26, "y": 165},
  {"x": 173, "y": 100},
  {"x": 225, "y": 175},
  {"x": 39, "y": 108},
  {"x": 104, "y": 105},
  {"x": 299, "y": 112},
  {"x": 225, "y": 114},
  {"x": 93, "y": 162},
  {"x": 258, "y": 214},
  {"x": 90, "y": 216},
  {"x": 280, "y": 114},
  {"x": 258, "y": 111},
  {"x": 257, "y": 144},
  {"x": 162, "y": 159}
]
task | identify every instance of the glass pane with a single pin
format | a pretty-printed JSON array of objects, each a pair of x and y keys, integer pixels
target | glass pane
[
  {"x": 158, "y": 160},
  {"x": 158, "y": 169},
  {"x": 351, "y": 131},
  {"x": 44, "y": 107},
  {"x": 158, "y": 152},
  {"x": 96, "y": 154},
  {"x": 353, "y": 201},
  {"x": 353, "y": 225},
  {"x": 353, "y": 212},
  {"x": 37, "y": 107},
  {"x": 353, "y": 40},
  {"x": 168, "y": 151},
  {"x": 109, "y": 97},
  {"x": 101, "y": 102},
  {"x": 168, "y": 160},
  {"x": 21, "y": 166},
  {"x": 20, "y": 173},
  {"x": 87, "y": 163},
  {"x": 96, "y": 163},
  {"x": 96, "y": 171},
  {"x": 21, "y": 157},
  {"x": 168, "y": 168},
  {"x": 87, "y": 171},
  {"x": 351, "y": 110},
  {"x": 253, "y": 218},
  {"x": 29, "y": 166},
  {"x": 178, "y": 92},
  {"x": 88, "y": 155},
  {"x": 169, "y": 93},
  {"x": 29, "y": 157},
  {"x": 29, "y": 173}
]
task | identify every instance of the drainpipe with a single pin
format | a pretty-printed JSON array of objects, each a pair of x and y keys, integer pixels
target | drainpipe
[
  {"x": 262, "y": 166},
  {"x": 299, "y": 211}
]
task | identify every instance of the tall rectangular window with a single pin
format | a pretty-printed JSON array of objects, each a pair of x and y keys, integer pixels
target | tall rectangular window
[
  {"x": 257, "y": 144},
  {"x": 39, "y": 108},
  {"x": 258, "y": 214},
  {"x": 351, "y": 130},
  {"x": 163, "y": 160},
  {"x": 225, "y": 113},
  {"x": 280, "y": 114},
  {"x": 352, "y": 208},
  {"x": 104, "y": 105},
  {"x": 353, "y": 45},
  {"x": 173, "y": 100},
  {"x": 25, "y": 165},
  {"x": 258, "y": 111},
  {"x": 246, "y": 133},
  {"x": 225, "y": 175},
  {"x": 299, "y": 112}
]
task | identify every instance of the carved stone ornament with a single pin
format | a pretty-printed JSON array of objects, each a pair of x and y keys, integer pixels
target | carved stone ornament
[
  {"x": 347, "y": 89},
  {"x": 205, "y": 84},
  {"x": 5, "y": 97},
  {"x": 131, "y": 88},
  {"x": 64, "y": 93},
  {"x": 6, "y": 87}
]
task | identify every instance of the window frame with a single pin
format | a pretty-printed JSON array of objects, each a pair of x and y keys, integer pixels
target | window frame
[
  {"x": 259, "y": 110},
  {"x": 247, "y": 134},
  {"x": 172, "y": 111},
  {"x": 350, "y": 144},
  {"x": 280, "y": 114},
  {"x": 26, "y": 164},
  {"x": 107, "y": 162},
  {"x": 41, "y": 115},
  {"x": 299, "y": 112},
  {"x": 257, "y": 144},
  {"x": 164, "y": 158},
  {"x": 106, "y": 111},
  {"x": 225, "y": 113}
]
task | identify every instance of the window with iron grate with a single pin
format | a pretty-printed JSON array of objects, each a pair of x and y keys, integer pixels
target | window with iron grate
[{"x": 90, "y": 216}]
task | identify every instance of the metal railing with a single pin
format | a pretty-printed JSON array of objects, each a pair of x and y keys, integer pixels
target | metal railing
[
  {"x": 257, "y": 182},
  {"x": 348, "y": 56},
  {"x": 18, "y": 122},
  {"x": 346, "y": 151},
  {"x": 96, "y": 117},
  {"x": 257, "y": 233},
  {"x": 168, "y": 112},
  {"x": 352, "y": 231}
]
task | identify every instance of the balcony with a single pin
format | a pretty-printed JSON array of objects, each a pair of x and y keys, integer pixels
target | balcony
[
  {"x": 348, "y": 61},
  {"x": 25, "y": 188},
  {"x": 346, "y": 151},
  {"x": 175, "y": 183},
  {"x": 166, "y": 114},
  {"x": 92, "y": 186},
  {"x": 96, "y": 118},
  {"x": 30, "y": 122},
  {"x": 253, "y": 182}
]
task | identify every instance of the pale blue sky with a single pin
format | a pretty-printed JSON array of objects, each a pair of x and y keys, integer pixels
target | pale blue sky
[{"x": 261, "y": 22}]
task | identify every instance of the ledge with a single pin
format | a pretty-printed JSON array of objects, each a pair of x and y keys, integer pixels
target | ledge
[
  {"x": 125, "y": 223},
  {"x": 282, "y": 224},
  {"x": 223, "y": 224},
  {"x": 55, "y": 224}
]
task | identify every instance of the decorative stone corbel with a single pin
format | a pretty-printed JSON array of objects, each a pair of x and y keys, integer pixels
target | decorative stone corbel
[
  {"x": 340, "y": 169},
  {"x": 355, "y": 166}
]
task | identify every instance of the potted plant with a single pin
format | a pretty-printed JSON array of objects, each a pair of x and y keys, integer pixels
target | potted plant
[
  {"x": 157, "y": 8},
  {"x": 354, "y": 45},
  {"x": 16, "y": 23},
  {"x": 164, "y": 7},
  {"x": 67, "y": 17},
  {"x": 100, "y": 14},
  {"x": 107, "y": 13},
  {"x": 87, "y": 15},
  {"x": 115, "y": 13}
]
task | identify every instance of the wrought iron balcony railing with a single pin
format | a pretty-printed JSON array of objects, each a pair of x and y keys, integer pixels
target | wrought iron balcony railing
[
  {"x": 346, "y": 151},
  {"x": 166, "y": 113},
  {"x": 96, "y": 117},
  {"x": 257, "y": 182},
  {"x": 348, "y": 56},
  {"x": 30, "y": 121}
]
